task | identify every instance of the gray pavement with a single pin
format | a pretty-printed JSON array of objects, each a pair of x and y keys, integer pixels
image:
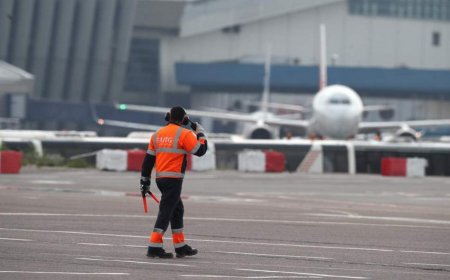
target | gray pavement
[{"x": 89, "y": 224}]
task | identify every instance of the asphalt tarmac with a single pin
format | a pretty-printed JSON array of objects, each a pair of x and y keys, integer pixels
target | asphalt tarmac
[{"x": 89, "y": 224}]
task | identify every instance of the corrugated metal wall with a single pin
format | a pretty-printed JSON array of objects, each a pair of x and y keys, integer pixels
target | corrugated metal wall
[{"x": 77, "y": 49}]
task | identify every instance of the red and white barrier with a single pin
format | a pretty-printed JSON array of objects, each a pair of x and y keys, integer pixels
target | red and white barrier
[
  {"x": 391, "y": 166},
  {"x": 10, "y": 162},
  {"x": 409, "y": 167},
  {"x": 275, "y": 161},
  {"x": 115, "y": 160},
  {"x": 135, "y": 159},
  {"x": 261, "y": 161},
  {"x": 131, "y": 160}
]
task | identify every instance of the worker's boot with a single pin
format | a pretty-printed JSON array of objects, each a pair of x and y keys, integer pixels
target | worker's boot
[
  {"x": 155, "y": 252},
  {"x": 184, "y": 251}
]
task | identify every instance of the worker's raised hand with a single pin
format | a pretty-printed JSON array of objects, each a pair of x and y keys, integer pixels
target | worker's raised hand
[
  {"x": 199, "y": 129},
  {"x": 145, "y": 186},
  {"x": 193, "y": 125}
]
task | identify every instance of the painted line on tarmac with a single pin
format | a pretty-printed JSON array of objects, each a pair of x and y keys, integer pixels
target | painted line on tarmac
[
  {"x": 301, "y": 273},
  {"x": 429, "y": 264},
  {"x": 230, "y": 241},
  {"x": 73, "y": 232},
  {"x": 52, "y": 182},
  {"x": 244, "y": 277},
  {"x": 272, "y": 255},
  {"x": 15, "y": 239},
  {"x": 203, "y": 240},
  {"x": 111, "y": 245},
  {"x": 381, "y": 218},
  {"x": 96, "y": 244},
  {"x": 138, "y": 262},
  {"x": 65, "y": 273},
  {"x": 293, "y": 245},
  {"x": 425, "y": 252},
  {"x": 210, "y": 219}
]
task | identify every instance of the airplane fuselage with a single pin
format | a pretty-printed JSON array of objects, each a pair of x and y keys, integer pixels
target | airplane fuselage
[{"x": 337, "y": 112}]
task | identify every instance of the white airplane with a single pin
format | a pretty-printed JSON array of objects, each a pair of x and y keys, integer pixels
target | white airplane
[{"x": 337, "y": 112}]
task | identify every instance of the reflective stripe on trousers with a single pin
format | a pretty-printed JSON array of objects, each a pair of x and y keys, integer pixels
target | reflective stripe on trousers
[
  {"x": 156, "y": 238},
  {"x": 178, "y": 238}
]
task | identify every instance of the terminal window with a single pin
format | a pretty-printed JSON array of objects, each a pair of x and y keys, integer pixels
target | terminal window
[
  {"x": 436, "y": 39},
  {"x": 411, "y": 9}
]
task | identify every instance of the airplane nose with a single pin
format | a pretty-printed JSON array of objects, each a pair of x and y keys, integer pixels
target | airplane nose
[{"x": 341, "y": 125}]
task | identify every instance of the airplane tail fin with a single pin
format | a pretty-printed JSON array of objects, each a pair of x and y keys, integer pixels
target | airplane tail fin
[
  {"x": 323, "y": 58},
  {"x": 266, "y": 85}
]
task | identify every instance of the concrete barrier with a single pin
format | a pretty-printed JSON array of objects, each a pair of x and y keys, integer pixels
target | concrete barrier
[
  {"x": 115, "y": 160},
  {"x": 205, "y": 162},
  {"x": 415, "y": 167},
  {"x": 252, "y": 161}
]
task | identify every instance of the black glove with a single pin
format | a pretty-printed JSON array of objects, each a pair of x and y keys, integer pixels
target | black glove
[
  {"x": 197, "y": 128},
  {"x": 193, "y": 126},
  {"x": 145, "y": 186}
]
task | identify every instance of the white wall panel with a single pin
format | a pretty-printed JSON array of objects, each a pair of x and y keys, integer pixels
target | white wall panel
[
  {"x": 303, "y": 38},
  {"x": 249, "y": 40},
  {"x": 332, "y": 16},
  {"x": 357, "y": 41},
  {"x": 382, "y": 43},
  {"x": 409, "y": 43}
]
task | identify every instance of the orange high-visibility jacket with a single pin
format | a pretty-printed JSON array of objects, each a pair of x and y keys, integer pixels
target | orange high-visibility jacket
[{"x": 171, "y": 144}]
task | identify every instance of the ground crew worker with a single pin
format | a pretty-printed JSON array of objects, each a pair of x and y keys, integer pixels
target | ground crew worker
[{"x": 167, "y": 151}]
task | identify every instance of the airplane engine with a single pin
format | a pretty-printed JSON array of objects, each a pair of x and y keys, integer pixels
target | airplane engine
[
  {"x": 260, "y": 132},
  {"x": 407, "y": 134}
]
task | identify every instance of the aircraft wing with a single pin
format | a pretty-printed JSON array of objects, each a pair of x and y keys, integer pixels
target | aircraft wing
[
  {"x": 281, "y": 106},
  {"x": 139, "y": 126},
  {"x": 219, "y": 115},
  {"x": 399, "y": 124},
  {"x": 228, "y": 116},
  {"x": 374, "y": 108},
  {"x": 287, "y": 122}
]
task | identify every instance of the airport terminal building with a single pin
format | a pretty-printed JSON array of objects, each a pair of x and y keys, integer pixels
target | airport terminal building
[{"x": 210, "y": 53}]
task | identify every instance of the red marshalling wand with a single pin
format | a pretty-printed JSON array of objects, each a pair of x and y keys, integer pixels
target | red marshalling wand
[
  {"x": 154, "y": 198},
  {"x": 144, "y": 201}
]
